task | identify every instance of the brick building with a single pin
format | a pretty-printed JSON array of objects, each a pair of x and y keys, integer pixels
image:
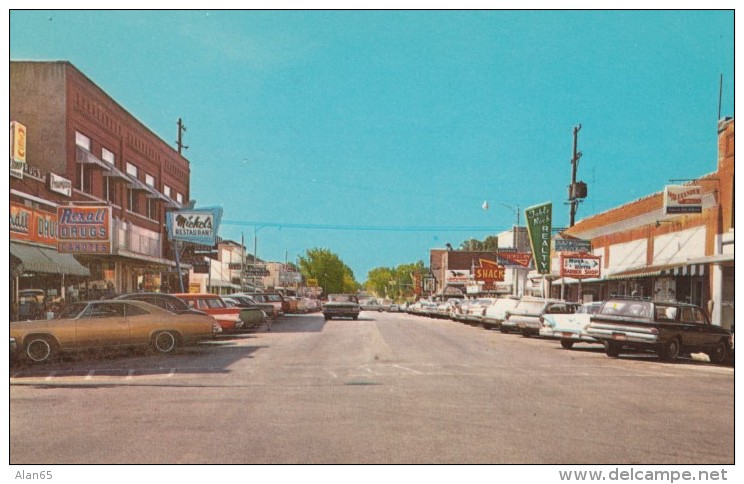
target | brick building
[
  {"x": 646, "y": 252},
  {"x": 86, "y": 150}
]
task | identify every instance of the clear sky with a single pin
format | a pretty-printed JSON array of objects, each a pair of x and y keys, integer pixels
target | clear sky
[{"x": 379, "y": 134}]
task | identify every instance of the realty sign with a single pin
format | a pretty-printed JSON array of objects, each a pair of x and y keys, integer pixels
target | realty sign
[
  {"x": 489, "y": 271},
  {"x": 580, "y": 266},
  {"x": 198, "y": 226},
  {"x": 539, "y": 225}
]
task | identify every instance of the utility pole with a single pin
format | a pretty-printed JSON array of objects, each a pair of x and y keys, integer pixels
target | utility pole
[
  {"x": 576, "y": 190},
  {"x": 179, "y": 142}
]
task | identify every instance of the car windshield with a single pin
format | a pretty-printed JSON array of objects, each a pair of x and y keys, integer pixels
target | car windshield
[
  {"x": 530, "y": 306},
  {"x": 633, "y": 309},
  {"x": 215, "y": 303},
  {"x": 273, "y": 298},
  {"x": 341, "y": 298}
]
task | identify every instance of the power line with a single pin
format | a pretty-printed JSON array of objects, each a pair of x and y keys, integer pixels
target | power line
[{"x": 375, "y": 228}]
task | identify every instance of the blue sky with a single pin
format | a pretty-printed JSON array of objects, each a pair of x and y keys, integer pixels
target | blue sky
[{"x": 379, "y": 134}]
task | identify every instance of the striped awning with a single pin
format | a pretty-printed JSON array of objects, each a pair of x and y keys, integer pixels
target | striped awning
[
  {"x": 46, "y": 260},
  {"x": 85, "y": 157},
  {"x": 660, "y": 270}
]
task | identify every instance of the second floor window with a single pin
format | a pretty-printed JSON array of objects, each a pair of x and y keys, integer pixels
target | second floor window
[
  {"x": 108, "y": 156},
  {"x": 82, "y": 141}
]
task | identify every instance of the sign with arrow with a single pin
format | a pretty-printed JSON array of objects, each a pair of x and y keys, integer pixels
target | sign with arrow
[{"x": 581, "y": 266}]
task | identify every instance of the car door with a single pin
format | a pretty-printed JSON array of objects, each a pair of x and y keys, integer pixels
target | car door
[
  {"x": 697, "y": 330},
  {"x": 102, "y": 324}
]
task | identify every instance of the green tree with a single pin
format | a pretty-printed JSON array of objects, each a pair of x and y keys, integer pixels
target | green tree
[
  {"x": 489, "y": 244},
  {"x": 379, "y": 280},
  {"x": 332, "y": 274}
]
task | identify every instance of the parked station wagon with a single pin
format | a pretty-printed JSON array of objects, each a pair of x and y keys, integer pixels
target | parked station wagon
[{"x": 667, "y": 328}]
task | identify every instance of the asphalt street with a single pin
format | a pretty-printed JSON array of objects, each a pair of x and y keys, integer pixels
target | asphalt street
[{"x": 389, "y": 388}]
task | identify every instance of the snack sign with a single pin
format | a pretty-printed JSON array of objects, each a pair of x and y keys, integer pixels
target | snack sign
[{"x": 489, "y": 271}]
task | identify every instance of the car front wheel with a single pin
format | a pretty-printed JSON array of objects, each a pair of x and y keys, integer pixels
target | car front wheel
[
  {"x": 164, "y": 342},
  {"x": 40, "y": 349}
]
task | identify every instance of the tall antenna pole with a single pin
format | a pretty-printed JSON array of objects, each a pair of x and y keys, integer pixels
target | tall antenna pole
[{"x": 179, "y": 141}]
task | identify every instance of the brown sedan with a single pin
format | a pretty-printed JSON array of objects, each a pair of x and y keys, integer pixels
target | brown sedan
[{"x": 109, "y": 323}]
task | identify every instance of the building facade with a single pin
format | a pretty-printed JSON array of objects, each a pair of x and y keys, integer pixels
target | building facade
[
  {"x": 646, "y": 251},
  {"x": 86, "y": 152}
]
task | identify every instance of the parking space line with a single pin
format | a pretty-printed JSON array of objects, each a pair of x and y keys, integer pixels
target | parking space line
[
  {"x": 172, "y": 372},
  {"x": 90, "y": 374},
  {"x": 51, "y": 375},
  {"x": 130, "y": 375}
]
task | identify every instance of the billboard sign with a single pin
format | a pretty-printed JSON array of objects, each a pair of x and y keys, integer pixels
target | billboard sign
[
  {"x": 539, "y": 226},
  {"x": 199, "y": 226},
  {"x": 581, "y": 266},
  {"x": 84, "y": 230},
  {"x": 33, "y": 225},
  {"x": 683, "y": 199}
]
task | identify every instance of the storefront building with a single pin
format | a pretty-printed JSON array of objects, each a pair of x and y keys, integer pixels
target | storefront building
[
  {"x": 649, "y": 250},
  {"x": 85, "y": 150}
]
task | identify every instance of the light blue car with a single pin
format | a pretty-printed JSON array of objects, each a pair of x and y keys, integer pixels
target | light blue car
[{"x": 570, "y": 328}]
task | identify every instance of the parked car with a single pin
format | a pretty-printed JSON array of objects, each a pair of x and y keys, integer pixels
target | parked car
[
  {"x": 212, "y": 304},
  {"x": 267, "y": 308},
  {"x": 525, "y": 316},
  {"x": 446, "y": 308},
  {"x": 667, "y": 328},
  {"x": 273, "y": 298},
  {"x": 474, "y": 312},
  {"x": 458, "y": 312},
  {"x": 570, "y": 328},
  {"x": 495, "y": 314},
  {"x": 341, "y": 305},
  {"x": 251, "y": 315},
  {"x": 109, "y": 323}
]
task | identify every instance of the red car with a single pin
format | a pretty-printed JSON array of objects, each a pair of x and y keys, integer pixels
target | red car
[{"x": 212, "y": 304}]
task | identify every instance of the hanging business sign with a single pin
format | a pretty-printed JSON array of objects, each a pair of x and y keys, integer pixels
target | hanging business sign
[
  {"x": 17, "y": 149},
  {"x": 199, "y": 226},
  {"x": 489, "y": 271},
  {"x": 581, "y": 266},
  {"x": 84, "y": 230},
  {"x": 539, "y": 226},
  {"x": 60, "y": 185},
  {"x": 572, "y": 245},
  {"x": 512, "y": 257},
  {"x": 683, "y": 199}
]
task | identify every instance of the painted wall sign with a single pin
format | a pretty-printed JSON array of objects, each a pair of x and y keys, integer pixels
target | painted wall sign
[
  {"x": 60, "y": 185},
  {"x": 33, "y": 225},
  {"x": 580, "y": 266},
  {"x": 198, "y": 226},
  {"x": 683, "y": 199},
  {"x": 84, "y": 230},
  {"x": 457, "y": 276},
  {"x": 539, "y": 226}
]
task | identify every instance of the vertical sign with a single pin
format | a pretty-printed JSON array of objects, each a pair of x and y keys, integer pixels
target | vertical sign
[
  {"x": 539, "y": 226},
  {"x": 17, "y": 149}
]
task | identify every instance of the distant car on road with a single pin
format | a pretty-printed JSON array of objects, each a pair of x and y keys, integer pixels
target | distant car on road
[
  {"x": 667, "y": 328},
  {"x": 371, "y": 305},
  {"x": 108, "y": 323},
  {"x": 341, "y": 306}
]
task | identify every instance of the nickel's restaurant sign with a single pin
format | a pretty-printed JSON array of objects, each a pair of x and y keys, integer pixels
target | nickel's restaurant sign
[
  {"x": 198, "y": 226},
  {"x": 84, "y": 230}
]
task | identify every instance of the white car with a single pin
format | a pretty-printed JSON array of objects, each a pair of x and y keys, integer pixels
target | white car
[
  {"x": 496, "y": 312},
  {"x": 476, "y": 309},
  {"x": 570, "y": 328}
]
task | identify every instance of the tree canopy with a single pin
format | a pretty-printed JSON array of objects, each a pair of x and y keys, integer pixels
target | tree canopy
[
  {"x": 393, "y": 282},
  {"x": 330, "y": 271}
]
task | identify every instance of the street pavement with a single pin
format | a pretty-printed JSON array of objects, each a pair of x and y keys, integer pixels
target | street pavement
[{"x": 389, "y": 388}]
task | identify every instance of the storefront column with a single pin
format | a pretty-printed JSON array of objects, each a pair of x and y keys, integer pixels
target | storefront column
[{"x": 716, "y": 292}]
